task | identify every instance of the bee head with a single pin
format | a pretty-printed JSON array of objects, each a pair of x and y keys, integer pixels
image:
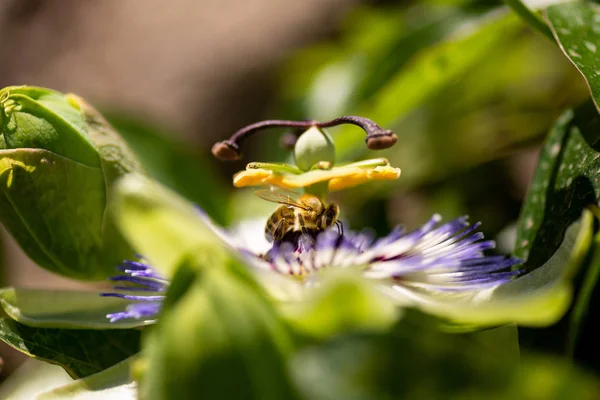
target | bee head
[{"x": 330, "y": 215}]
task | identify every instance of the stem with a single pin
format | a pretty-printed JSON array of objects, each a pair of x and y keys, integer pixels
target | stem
[
  {"x": 319, "y": 189},
  {"x": 247, "y": 131},
  {"x": 532, "y": 18}
]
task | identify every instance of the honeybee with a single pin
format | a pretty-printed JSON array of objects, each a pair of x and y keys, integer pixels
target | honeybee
[{"x": 306, "y": 215}]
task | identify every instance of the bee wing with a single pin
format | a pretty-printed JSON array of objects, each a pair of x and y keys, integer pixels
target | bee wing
[{"x": 280, "y": 197}]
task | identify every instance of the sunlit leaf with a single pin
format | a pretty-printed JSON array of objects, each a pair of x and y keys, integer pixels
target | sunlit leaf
[
  {"x": 576, "y": 27},
  {"x": 58, "y": 160},
  {"x": 64, "y": 309},
  {"x": 165, "y": 227},
  {"x": 40, "y": 118},
  {"x": 62, "y": 203},
  {"x": 161, "y": 225},
  {"x": 80, "y": 352},
  {"x": 566, "y": 180}
]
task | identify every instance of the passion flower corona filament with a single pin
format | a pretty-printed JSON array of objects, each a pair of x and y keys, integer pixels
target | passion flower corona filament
[
  {"x": 435, "y": 261},
  {"x": 143, "y": 286},
  {"x": 448, "y": 257}
]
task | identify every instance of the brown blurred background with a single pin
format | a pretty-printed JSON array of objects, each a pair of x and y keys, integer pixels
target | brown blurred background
[{"x": 199, "y": 68}]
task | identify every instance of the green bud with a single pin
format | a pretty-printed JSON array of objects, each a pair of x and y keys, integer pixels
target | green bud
[
  {"x": 58, "y": 159},
  {"x": 314, "y": 146}
]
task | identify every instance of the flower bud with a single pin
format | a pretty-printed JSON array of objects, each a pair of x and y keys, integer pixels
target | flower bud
[{"x": 58, "y": 158}]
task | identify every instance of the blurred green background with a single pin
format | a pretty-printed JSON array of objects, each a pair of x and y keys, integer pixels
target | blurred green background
[{"x": 467, "y": 87}]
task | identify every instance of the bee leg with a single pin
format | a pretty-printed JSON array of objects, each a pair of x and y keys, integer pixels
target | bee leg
[
  {"x": 340, "y": 227},
  {"x": 278, "y": 233},
  {"x": 302, "y": 227}
]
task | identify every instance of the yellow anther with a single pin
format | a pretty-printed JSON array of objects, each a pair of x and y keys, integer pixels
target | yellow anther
[
  {"x": 384, "y": 173},
  {"x": 338, "y": 178},
  {"x": 251, "y": 177},
  {"x": 360, "y": 176}
]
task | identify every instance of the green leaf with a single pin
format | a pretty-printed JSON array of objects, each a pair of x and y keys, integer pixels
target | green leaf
[
  {"x": 331, "y": 78},
  {"x": 54, "y": 207},
  {"x": 216, "y": 324},
  {"x": 163, "y": 226},
  {"x": 220, "y": 338},
  {"x": 424, "y": 75},
  {"x": 415, "y": 362},
  {"x": 64, "y": 309},
  {"x": 564, "y": 263},
  {"x": 543, "y": 377},
  {"x": 58, "y": 160},
  {"x": 34, "y": 117},
  {"x": 361, "y": 61},
  {"x": 575, "y": 26},
  {"x": 566, "y": 180},
  {"x": 166, "y": 228},
  {"x": 116, "y": 157},
  {"x": 113, "y": 383},
  {"x": 539, "y": 298},
  {"x": 80, "y": 352},
  {"x": 532, "y": 18},
  {"x": 343, "y": 302}
]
